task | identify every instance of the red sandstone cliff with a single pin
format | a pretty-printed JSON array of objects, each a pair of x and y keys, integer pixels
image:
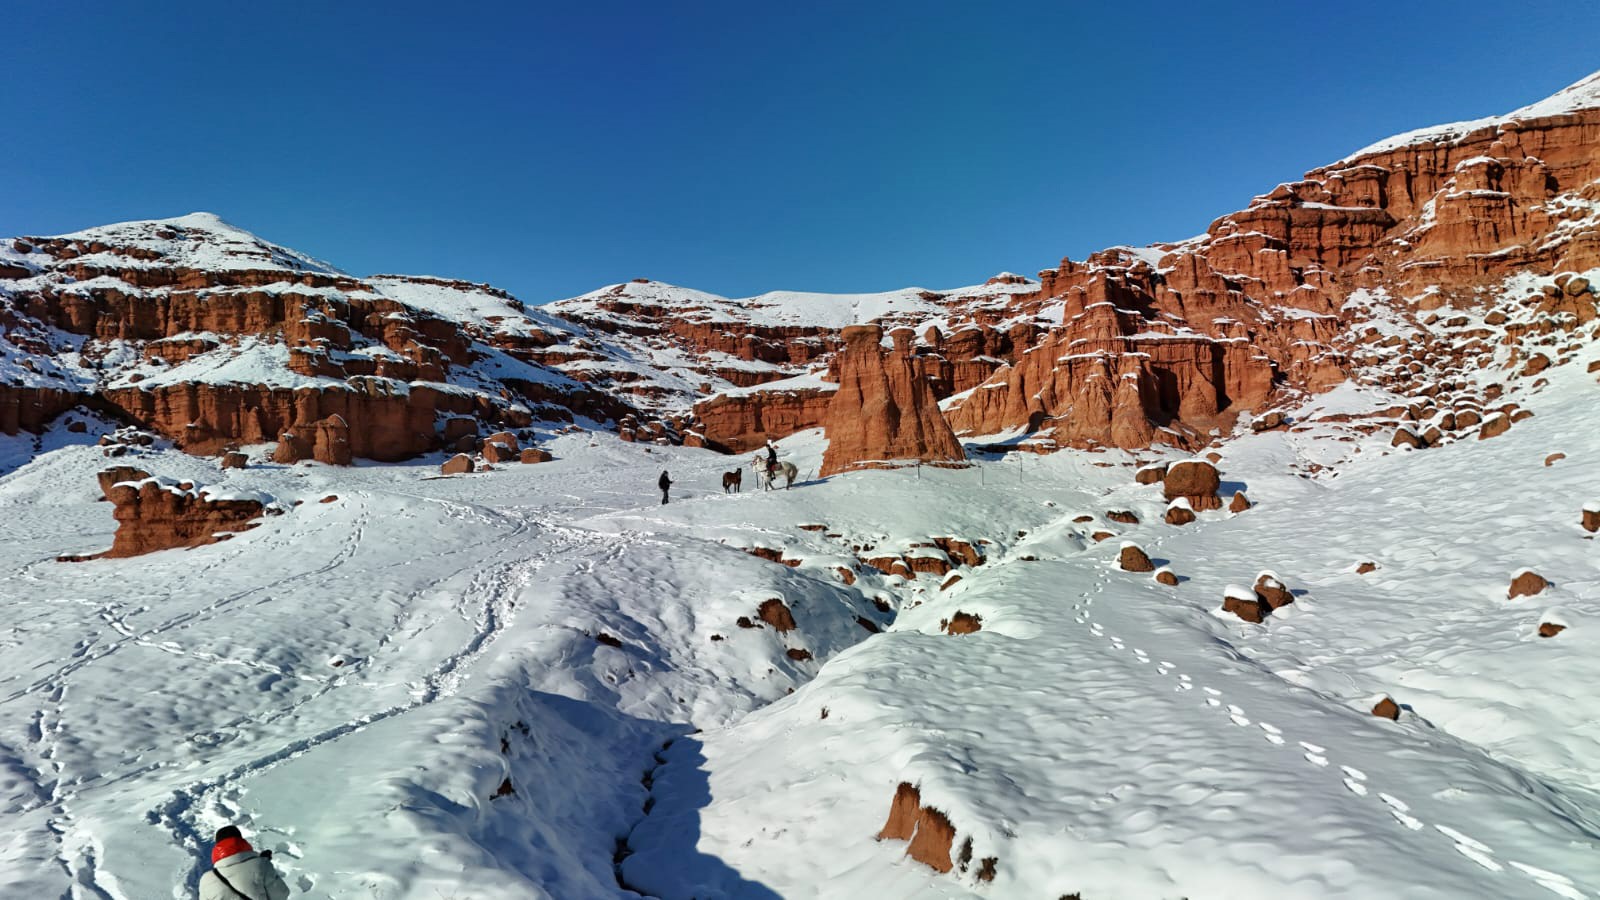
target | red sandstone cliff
[
  {"x": 213, "y": 337},
  {"x": 884, "y": 411}
]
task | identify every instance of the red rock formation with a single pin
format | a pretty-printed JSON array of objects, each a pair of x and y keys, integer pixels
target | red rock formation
[
  {"x": 460, "y": 464},
  {"x": 1240, "y": 502},
  {"x": 1245, "y": 603},
  {"x": 116, "y": 474},
  {"x": 1387, "y": 709},
  {"x": 962, "y": 623},
  {"x": 536, "y": 455},
  {"x": 1526, "y": 583},
  {"x": 208, "y": 418},
  {"x": 234, "y": 460},
  {"x": 1166, "y": 576},
  {"x": 1194, "y": 480},
  {"x": 158, "y": 514},
  {"x": 1272, "y": 591},
  {"x": 740, "y": 423},
  {"x": 1591, "y": 517},
  {"x": 1366, "y": 567},
  {"x": 882, "y": 411},
  {"x": 326, "y": 441},
  {"x": 1179, "y": 513},
  {"x": 903, "y": 813},
  {"x": 776, "y": 613},
  {"x": 1152, "y": 474},
  {"x": 32, "y": 408},
  {"x": 1133, "y": 559},
  {"x": 1550, "y": 629},
  {"x": 929, "y": 831}
]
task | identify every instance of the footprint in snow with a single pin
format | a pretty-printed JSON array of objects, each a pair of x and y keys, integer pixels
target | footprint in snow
[
  {"x": 1274, "y": 734},
  {"x": 1212, "y": 701},
  {"x": 1356, "y": 787},
  {"x": 1398, "y": 809},
  {"x": 1353, "y": 772},
  {"x": 1316, "y": 759},
  {"x": 1553, "y": 882},
  {"x": 1213, "y": 691}
]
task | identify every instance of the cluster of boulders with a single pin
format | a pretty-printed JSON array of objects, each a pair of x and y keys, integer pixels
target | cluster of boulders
[
  {"x": 1254, "y": 604},
  {"x": 125, "y": 441},
  {"x": 500, "y": 447},
  {"x": 936, "y": 556}
]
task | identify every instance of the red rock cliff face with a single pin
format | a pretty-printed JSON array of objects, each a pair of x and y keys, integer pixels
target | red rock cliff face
[
  {"x": 883, "y": 409},
  {"x": 191, "y": 295},
  {"x": 32, "y": 408},
  {"x": 739, "y": 423},
  {"x": 1192, "y": 334}
]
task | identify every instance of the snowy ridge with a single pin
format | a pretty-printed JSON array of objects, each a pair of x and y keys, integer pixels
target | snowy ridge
[
  {"x": 782, "y": 308},
  {"x": 199, "y": 240},
  {"x": 1582, "y": 94}
]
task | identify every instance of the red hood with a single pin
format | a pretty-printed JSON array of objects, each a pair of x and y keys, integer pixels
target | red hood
[{"x": 228, "y": 847}]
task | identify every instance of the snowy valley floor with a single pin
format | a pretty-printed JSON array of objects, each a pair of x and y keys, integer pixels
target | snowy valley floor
[{"x": 545, "y": 631}]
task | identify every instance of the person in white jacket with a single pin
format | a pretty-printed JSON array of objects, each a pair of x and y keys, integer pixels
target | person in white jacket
[{"x": 238, "y": 872}]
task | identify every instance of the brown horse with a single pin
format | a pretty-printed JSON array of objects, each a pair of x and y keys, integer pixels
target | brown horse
[{"x": 732, "y": 480}]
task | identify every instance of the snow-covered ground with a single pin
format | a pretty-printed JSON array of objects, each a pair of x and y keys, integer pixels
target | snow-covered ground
[{"x": 354, "y": 681}]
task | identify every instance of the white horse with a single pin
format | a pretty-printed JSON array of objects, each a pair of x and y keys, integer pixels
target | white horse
[{"x": 785, "y": 470}]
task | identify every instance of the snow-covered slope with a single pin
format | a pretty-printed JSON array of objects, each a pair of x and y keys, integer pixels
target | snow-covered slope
[{"x": 356, "y": 680}]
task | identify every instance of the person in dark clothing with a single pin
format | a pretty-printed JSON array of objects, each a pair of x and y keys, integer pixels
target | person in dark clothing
[
  {"x": 664, "y": 483},
  {"x": 772, "y": 460}
]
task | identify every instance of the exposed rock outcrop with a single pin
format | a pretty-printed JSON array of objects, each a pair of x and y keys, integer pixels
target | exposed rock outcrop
[
  {"x": 1526, "y": 583},
  {"x": 1272, "y": 591},
  {"x": 928, "y": 830},
  {"x": 962, "y": 623},
  {"x": 776, "y": 613},
  {"x": 1194, "y": 480},
  {"x": 1386, "y": 708},
  {"x": 159, "y": 514},
  {"x": 1245, "y": 603},
  {"x": 744, "y": 421},
  {"x": 883, "y": 412},
  {"x": 460, "y": 464},
  {"x": 1133, "y": 559},
  {"x": 326, "y": 441}
]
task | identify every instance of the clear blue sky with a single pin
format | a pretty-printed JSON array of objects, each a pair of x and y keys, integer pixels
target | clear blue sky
[{"x": 733, "y": 147}]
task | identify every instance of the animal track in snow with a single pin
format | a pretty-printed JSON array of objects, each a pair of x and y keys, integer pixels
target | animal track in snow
[
  {"x": 1356, "y": 787},
  {"x": 1316, "y": 759},
  {"x": 1550, "y": 881}
]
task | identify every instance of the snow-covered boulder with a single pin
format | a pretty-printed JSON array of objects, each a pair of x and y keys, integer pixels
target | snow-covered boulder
[
  {"x": 1526, "y": 583},
  {"x": 1133, "y": 558},
  {"x": 1244, "y": 603}
]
